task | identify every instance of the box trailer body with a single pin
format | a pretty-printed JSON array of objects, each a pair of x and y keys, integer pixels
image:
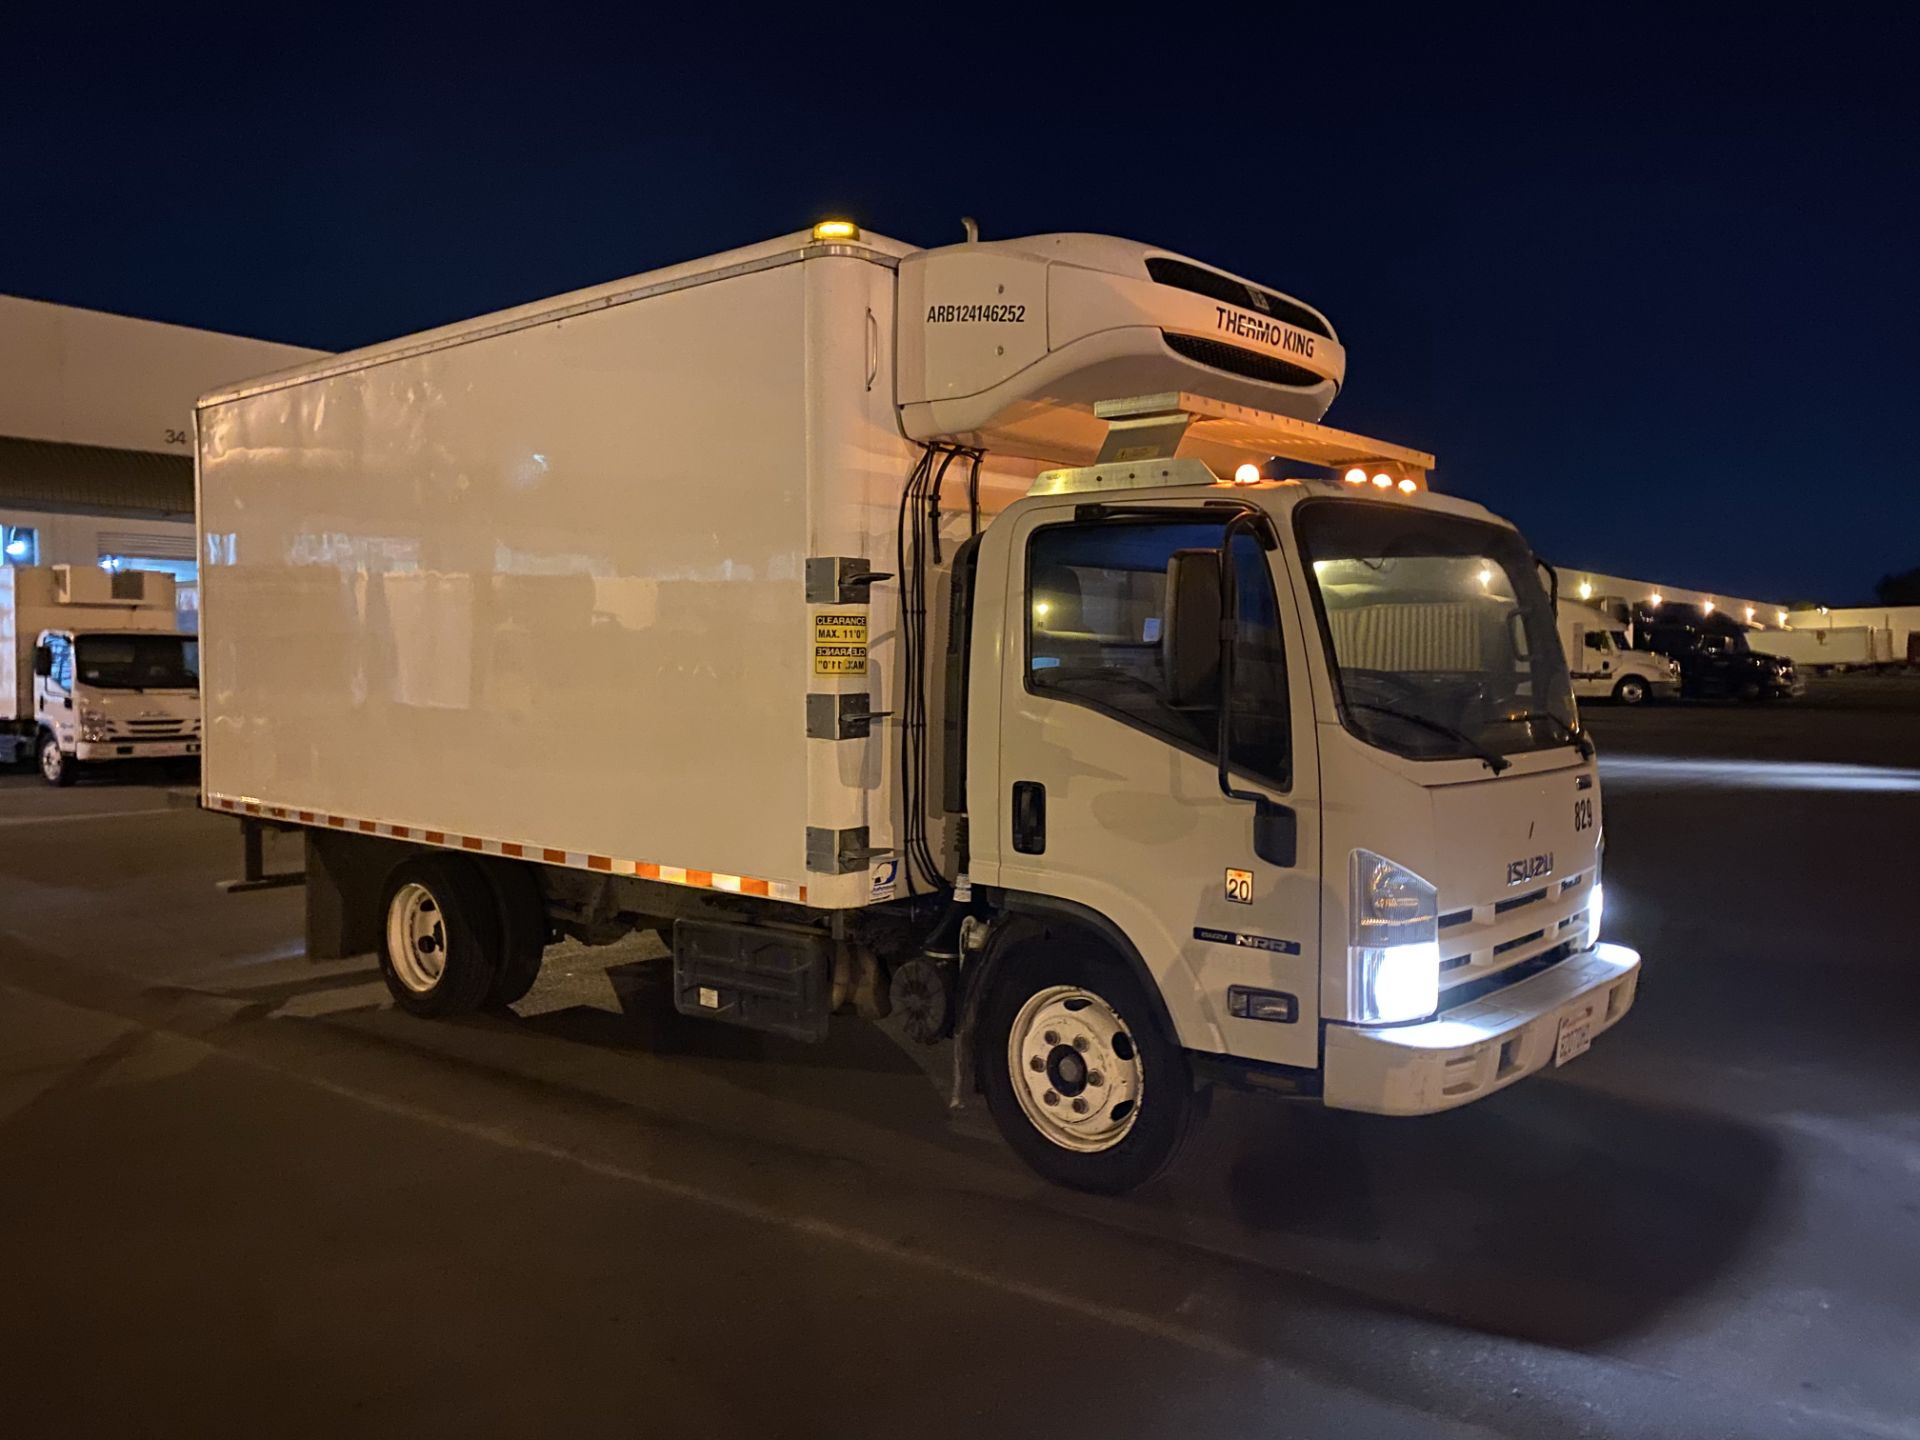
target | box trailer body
[
  {"x": 97, "y": 669},
  {"x": 1605, "y": 666},
  {"x": 1841, "y": 647},
  {"x": 811, "y": 605}
]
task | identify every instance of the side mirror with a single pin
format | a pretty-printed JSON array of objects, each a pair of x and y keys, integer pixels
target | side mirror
[
  {"x": 43, "y": 660},
  {"x": 1190, "y": 630}
]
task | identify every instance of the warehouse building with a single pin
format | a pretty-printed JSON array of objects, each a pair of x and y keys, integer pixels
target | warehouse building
[{"x": 96, "y": 436}]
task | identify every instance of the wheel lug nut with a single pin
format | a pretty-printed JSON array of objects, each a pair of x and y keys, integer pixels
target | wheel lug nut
[
  {"x": 1079, "y": 1107},
  {"x": 1036, "y": 1063},
  {"x": 1051, "y": 1098},
  {"x": 1052, "y": 1037},
  {"x": 1096, "y": 1079},
  {"x": 1080, "y": 1043}
]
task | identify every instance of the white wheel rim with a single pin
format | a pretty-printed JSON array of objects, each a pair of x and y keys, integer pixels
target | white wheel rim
[
  {"x": 1075, "y": 1068},
  {"x": 416, "y": 937},
  {"x": 50, "y": 761}
]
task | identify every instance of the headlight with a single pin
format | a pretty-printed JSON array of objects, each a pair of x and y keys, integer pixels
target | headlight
[
  {"x": 94, "y": 725},
  {"x": 1393, "y": 941},
  {"x": 1596, "y": 905}
]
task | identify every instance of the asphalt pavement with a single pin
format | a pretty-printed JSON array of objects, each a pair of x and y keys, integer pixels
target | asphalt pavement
[{"x": 239, "y": 1192}]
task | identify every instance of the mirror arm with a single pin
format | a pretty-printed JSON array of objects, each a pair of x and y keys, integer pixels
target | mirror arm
[{"x": 1248, "y": 520}]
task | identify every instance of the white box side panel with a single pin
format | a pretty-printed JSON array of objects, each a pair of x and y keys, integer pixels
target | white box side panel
[{"x": 545, "y": 587}]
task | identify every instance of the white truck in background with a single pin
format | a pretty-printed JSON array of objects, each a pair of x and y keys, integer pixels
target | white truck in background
[
  {"x": 98, "y": 670},
  {"x": 986, "y": 635},
  {"x": 1605, "y": 666}
]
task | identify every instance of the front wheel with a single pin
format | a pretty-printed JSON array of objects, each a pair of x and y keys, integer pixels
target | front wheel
[
  {"x": 1750, "y": 692},
  {"x": 1631, "y": 691},
  {"x": 56, "y": 766},
  {"x": 1078, "y": 1076}
]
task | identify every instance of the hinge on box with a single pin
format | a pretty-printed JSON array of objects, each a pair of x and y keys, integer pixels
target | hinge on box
[
  {"x": 841, "y": 579},
  {"x": 841, "y": 717},
  {"x": 839, "y": 852}
]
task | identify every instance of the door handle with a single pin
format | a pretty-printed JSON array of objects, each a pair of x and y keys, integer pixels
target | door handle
[{"x": 1029, "y": 817}]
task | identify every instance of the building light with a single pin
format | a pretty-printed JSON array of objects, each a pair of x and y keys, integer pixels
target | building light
[
  {"x": 1783, "y": 616},
  {"x": 1656, "y": 599},
  {"x": 1586, "y": 590},
  {"x": 1749, "y": 614},
  {"x": 1707, "y": 609}
]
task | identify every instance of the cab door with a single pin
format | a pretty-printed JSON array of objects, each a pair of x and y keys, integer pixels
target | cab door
[{"x": 1110, "y": 796}]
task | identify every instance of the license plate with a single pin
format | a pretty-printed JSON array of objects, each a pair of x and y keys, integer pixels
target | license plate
[{"x": 1576, "y": 1031}]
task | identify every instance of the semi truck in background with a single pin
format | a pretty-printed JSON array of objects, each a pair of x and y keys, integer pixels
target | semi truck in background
[
  {"x": 1715, "y": 659},
  {"x": 986, "y": 635},
  {"x": 1605, "y": 666},
  {"x": 98, "y": 670}
]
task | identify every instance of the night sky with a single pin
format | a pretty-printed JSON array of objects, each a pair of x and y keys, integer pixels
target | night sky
[{"x": 1647, "y": 287}]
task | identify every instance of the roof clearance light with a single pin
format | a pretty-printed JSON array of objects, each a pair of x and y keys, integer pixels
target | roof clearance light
[
  {"x": 1407, "y": 487},
  {"x": 1247, "y": 474},
  {"x": 1383, "y": 482},
  {"x": 836, "y": 230},
  {"x": 1356, "y": 476},
  {"x": 1586, "y": 590}
]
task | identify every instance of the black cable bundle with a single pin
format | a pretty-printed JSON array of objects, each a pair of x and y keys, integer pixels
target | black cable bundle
[{"x": 921, "y": 501}]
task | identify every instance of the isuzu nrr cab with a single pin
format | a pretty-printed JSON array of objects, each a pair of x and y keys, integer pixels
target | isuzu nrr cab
[
  {"x": 989, "y": 636},
  {"x": 98, "y": 669}
]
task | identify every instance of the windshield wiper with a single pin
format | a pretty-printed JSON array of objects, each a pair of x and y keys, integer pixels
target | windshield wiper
[
  {"x": 1568, "y": 735},
  {"x": 1495, "y": 761}
]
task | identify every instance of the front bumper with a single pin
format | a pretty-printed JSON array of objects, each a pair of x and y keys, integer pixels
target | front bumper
[
  {"x": 1484, "y": 1046},
  {"x": 1664, "y": 689},
  {"x": 136, "y": 749}
]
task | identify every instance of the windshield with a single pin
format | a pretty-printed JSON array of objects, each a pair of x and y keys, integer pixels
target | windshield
[
  {"x": 1440, "y": 635},
  {"x": 139, "y": 662}
]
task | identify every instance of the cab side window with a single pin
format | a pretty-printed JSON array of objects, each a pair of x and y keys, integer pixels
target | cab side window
[
  {"x": 62, "y": 676},
  {"x": 1096, "y": 607}
]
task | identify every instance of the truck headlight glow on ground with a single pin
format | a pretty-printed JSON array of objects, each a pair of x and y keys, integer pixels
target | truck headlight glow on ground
[{"x": 1393, "y": 943}]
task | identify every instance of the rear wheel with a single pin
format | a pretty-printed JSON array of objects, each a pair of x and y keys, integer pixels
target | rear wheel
[
  {"x": 523, "y": 931},
  {"x": 1078, "y": 1076},
  {"x": 440, "y": 943},
  {"x": 1632, "y": 690},
  {"x": 56, "y": 766}
]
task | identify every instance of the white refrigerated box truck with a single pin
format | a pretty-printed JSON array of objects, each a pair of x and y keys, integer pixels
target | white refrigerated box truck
[
  {"x": 97, "y": 669},
  {"x": 987, "y": 633}
]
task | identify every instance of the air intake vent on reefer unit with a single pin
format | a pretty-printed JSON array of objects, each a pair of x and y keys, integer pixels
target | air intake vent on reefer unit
[
  {"x": 1235, "y": 361},
  {"x": 1184, "y": 275}
]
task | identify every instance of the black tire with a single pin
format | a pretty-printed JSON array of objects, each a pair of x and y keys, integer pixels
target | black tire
[
  {"x": 56, "y": 766},
  {"x": 461, "y": 903},
  {"x": 523, "y": 931},
  {"x": 1632, "y": 690},
  {"x": 1750, "y": 692},
  {"x": 1169, "y": 1108}
]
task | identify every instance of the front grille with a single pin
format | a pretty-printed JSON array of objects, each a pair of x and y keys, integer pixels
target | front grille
[
  {"x": 1197, "y": 279},
  {"x": 1517, "y": 901},
  {"x": 1474, "y": 989},
  {"x": 1235, "y": 361}
]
